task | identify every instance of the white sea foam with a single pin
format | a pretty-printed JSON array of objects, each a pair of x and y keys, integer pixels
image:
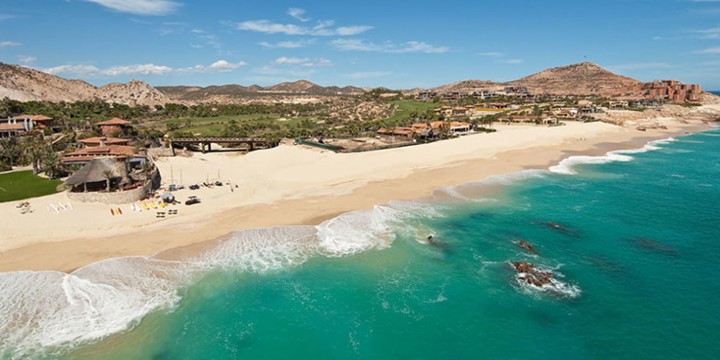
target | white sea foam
[
  {"x": 47, "y": 311},
  {"x": 473, "y": 192},
  {"x": 358, "y": 231},
  {"x": 261, "y": 250},
  {"x": 555, "y": 286},
  {"x": 566, "y": 166}
]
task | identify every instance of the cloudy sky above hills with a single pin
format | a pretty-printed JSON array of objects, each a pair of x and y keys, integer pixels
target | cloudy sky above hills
[{"x": 363, "y": 43}]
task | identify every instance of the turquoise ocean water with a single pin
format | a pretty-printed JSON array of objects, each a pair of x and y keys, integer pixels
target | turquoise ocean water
[{"x": 635, "y": 265}]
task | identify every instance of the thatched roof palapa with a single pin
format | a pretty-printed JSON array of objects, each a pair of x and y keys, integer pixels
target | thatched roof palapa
[{"x": 94, "y": 171}]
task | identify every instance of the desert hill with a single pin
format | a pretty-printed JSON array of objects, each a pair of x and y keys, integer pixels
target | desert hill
[
  {"x": 25, "y": 84},
  {"x": 578, "y": 79}
]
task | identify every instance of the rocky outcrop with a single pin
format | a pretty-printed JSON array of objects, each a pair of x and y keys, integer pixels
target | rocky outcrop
[
  {"x": 134, "y": 93},
  {"x": 531, "y": 275}
]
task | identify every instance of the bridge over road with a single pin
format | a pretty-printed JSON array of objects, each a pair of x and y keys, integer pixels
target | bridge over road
[{"x": 205, "y": 142}]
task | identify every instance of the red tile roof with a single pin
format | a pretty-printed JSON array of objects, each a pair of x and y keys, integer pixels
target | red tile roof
[
  {"x": 12, "y": 127},
  {"x": 106, "y": 140},
  {"x": 108, "y": 150},
  {"x": 114, "y": 121}
]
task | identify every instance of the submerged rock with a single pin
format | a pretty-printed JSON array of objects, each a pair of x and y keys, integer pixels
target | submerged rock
[
  {"x": 527, "y": 246},
  {"x": 561, "y": 228}
]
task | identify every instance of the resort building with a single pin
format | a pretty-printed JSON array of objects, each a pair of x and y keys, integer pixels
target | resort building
[
  {"x": 110, "y": 180},
  {"x": 122, "y": 153},
  {"x": 673, "y": 90},
  {"x": 103, "y": 141},
  {"x": 20, "y": 124},
  {"x": 115, "y": 126}
]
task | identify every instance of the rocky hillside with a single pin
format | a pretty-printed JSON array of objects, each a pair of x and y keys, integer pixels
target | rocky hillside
[
  {"x": 24, "y": 84},
  {"x": 579, "y": 79},
  {"x": 134, "y": 93},
  {"x": 21, "y": 83}
]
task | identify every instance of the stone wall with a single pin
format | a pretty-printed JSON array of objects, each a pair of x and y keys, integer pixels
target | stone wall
[{"x": 118, "y": 197}]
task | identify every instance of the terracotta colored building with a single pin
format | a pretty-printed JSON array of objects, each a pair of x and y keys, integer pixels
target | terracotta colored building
[{"x": 114, "y": 125}]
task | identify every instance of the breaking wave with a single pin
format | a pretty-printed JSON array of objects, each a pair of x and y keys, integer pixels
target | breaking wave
[{"x": 567, "y": 165}]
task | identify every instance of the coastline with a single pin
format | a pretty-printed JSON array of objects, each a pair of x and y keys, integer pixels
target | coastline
[{"x": 171, "y": 240}]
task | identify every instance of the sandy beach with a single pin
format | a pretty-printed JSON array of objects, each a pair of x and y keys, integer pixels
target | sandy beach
[{"x": 291, "y": 185}]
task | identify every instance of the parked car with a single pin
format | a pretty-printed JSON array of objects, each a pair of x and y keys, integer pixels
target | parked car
[
  {"x": 194, "y": 187},
  {"x": 192, "y": 200}
]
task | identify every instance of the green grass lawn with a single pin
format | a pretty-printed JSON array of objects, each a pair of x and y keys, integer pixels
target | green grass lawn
[
  {"x": 213, "y": 126},
  {"x": 24, "y": 185},
  {"x": 405, "y": 107}
]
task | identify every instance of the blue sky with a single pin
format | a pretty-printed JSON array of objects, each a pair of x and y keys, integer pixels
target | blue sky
[{"x": 398, "y": 44}]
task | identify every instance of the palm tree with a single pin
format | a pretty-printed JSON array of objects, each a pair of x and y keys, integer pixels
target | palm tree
[
  {"x": 35, "y": 149},
  {"x": 108, "y": 176},
  {"x": 51, "y": 164}
]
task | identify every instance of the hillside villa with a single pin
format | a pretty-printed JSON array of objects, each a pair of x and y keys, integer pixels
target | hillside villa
[
  {"x": 115, "y": 126},
  {"x": 13, "y": 126}
]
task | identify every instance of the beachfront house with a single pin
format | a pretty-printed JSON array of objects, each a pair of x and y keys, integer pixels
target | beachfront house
[
  {"x": 97, "y": 175},
  {"x": 122, "y": 153}
]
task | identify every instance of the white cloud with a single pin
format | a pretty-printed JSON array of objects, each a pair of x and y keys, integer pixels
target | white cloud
[
  {"x": 322, "y": 28},
  {"x": 713, "y": 33},
  {"x": 491, "y": 54},
  {"x": 709, "y": 51},
  {"x": 140, "y": 7},
  {"x": 9, "y": 44},
  {"x": 26, "y": 59},
  {"x": 367, "y": 74},
  {"x": 352, "y": 30},
  {"x": 140, "y": 69},
  {"x": 512, "y": 61},
  {"x": 287, "y": 44},
  {"x": 298, "y": 14},
  {"x": 220, "y": 66},
  {"x": 388, "y": 47},
  {"x": 639, "y": 66},
  {"x": 74, "y": 70},
  {"x": 6, "y": 17},
  {"x": 206, "y": 39},
  {"x": 305, "y": 62}
]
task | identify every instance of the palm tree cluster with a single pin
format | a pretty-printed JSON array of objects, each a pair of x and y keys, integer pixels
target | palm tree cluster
[{"x": 35, "y": 150}]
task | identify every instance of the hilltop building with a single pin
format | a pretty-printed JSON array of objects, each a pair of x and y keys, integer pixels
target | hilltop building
[{"x": 672, "y": 90}]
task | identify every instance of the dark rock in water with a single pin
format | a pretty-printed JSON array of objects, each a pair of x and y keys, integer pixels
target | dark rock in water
[
  {"x": 651, "y": 244},
  {"x": 606, "y": 265},
  {"x": 532, "y": 275},
  {"x": 526, "y": 245},
  {"x": 561, "y": 228}
]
